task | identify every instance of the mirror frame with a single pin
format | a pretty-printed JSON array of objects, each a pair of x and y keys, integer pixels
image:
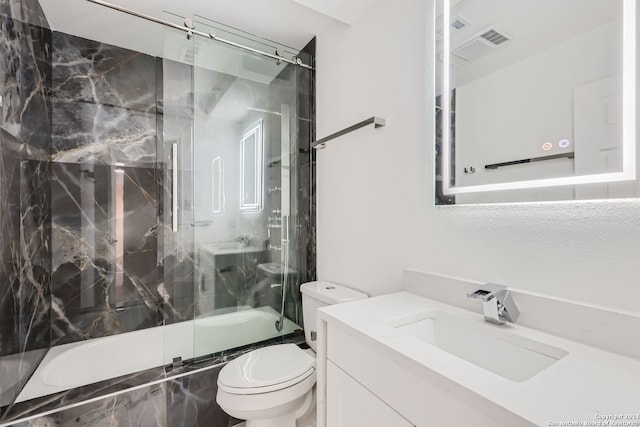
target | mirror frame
[
  {"x": 628, "y": 119},
  {"x": 256, "y": 131}
]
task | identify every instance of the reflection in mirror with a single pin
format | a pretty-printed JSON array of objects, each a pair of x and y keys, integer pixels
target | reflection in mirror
[
  {"x": 541, "y": 100},
  {"x": 251, "y": 159},
  {"x": 217, "y": 186}
]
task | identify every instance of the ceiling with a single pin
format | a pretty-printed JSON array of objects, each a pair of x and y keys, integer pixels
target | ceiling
[
  {"x": 290, "y": 22},
  {"x": 533, "y": 27},
  {"x": 286, "y": 25},
  {"x": 347, "y": 11}
]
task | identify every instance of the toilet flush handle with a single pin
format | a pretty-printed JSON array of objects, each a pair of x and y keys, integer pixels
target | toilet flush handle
[{"x": 314, "y": 335}]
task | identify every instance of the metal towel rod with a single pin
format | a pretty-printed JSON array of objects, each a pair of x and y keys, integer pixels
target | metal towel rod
[
  {"x": 569, "y": 155},
  {"x": 376, "y": 121}
]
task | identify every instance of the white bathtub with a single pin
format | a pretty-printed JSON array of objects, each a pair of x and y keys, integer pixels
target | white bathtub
[
  {"x": 72, "y": 365},
  {"x": 12, "y": 369}
]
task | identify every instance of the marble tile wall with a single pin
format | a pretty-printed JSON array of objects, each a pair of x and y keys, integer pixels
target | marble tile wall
[
  {"x": 96, "y": 291},
  {"x": 106, "y": 184},
  {"x": 175, "y": 121},
  {"x": 25, "y": 238},
  {"x": 104, "y": 104},
  {"x": 188, "y": 401},
  {"x": 54, "y": 402},
  {"x": 198, "y": 407},
  {"x": 306, "y": 162},
  {"x": 24, "y": 266},
  {"x": 25, "y": 75},
  {"x": 144, "y": 407},
  {"x": 303, "y": 254},
  {"x": 10, "y": 244}
]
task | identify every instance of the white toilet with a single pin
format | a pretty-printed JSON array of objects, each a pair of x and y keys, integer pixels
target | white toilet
[{"x": 274, "y": 386}]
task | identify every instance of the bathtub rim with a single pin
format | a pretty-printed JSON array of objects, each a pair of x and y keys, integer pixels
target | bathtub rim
[{"x": 167, "y": 373}]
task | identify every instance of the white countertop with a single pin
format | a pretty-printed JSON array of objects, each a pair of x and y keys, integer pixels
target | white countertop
[{"x": 585, "y": 386}]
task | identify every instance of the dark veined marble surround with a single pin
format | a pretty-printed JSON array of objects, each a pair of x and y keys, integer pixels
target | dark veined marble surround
[
  {"x": 83, "y": 245},
  {"x": 183, "y": 396},
  {"x": 25, "y": 195}
]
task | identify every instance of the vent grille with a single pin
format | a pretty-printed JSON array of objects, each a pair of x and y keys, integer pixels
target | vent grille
[
  {"x": 494, "y": 37},
  {"x": 459, "y": 22},
  {"x": 458, "y": 25}
]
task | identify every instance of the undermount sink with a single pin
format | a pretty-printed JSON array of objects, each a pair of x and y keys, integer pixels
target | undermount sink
[
  {"x": 274, "y": 269},
  {"x": 225, "y": 248},
  {"x": 511, "y": 356},
  {"x": 228, "y": 245}
]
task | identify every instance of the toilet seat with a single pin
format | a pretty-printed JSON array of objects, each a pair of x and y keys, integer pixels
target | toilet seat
[{"x": 266, "y": 370}]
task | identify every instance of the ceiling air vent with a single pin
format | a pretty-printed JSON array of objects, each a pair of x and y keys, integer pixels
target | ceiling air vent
[
  {"x": 481, "y": 44},
  {"x": 459, "y": 22},
  {"x": 494, "y": 37}
]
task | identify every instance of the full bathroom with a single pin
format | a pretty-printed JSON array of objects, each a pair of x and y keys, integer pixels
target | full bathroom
[{"x": 268, "y": 214}]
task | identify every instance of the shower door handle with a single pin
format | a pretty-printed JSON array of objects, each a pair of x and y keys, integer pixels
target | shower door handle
[{"x": 174, "y": 187}]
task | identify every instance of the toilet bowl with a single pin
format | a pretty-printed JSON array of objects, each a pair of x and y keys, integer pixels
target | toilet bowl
[{"x": 274, "y": 386}]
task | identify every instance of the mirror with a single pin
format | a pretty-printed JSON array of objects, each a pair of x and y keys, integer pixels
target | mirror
[
  {"x": 541, "y": 100},
  {"x": 217, "y": 186},
  {"x": 251, "y": 161}
]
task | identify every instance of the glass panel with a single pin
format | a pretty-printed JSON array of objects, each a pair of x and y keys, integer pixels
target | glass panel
[
  {"x": 177, "y": 209},
  {"x": 242, "y": 116}
]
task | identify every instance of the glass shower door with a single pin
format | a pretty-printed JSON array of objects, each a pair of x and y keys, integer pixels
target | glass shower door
[
  {"x": 242, "y": 150},
  {"x": 175, "y": 150}
]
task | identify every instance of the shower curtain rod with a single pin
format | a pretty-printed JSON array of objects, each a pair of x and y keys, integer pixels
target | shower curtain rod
[{"x": 189, "y": 28}]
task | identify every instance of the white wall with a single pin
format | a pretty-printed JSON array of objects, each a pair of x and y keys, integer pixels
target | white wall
[
  {"x": 376, "y": 214},
  {"x": 510, "y": 113}
]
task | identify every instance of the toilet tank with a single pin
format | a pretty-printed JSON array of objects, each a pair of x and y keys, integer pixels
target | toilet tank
[{"x": 320, "y": 294}]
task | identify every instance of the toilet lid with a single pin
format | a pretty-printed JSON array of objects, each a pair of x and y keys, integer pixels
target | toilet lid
[{"x": 266, "y": 367}]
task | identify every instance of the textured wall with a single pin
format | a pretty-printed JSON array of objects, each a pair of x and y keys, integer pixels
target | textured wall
[{"x": 375, "y": 187}]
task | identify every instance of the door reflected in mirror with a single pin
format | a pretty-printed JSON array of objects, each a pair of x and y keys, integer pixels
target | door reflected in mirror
[{"x": 541, "y": 100}]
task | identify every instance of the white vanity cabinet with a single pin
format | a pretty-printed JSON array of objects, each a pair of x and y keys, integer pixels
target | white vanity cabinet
[
  {"x": 363, "y": 383},
  {"x": 350, "y": 404},
  {"x": 405, "y": 360}
]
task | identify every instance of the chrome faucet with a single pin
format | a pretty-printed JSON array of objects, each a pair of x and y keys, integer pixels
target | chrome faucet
[
  {"x": 244, "y": 240},
  {"x": 497, "y": 304}
]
